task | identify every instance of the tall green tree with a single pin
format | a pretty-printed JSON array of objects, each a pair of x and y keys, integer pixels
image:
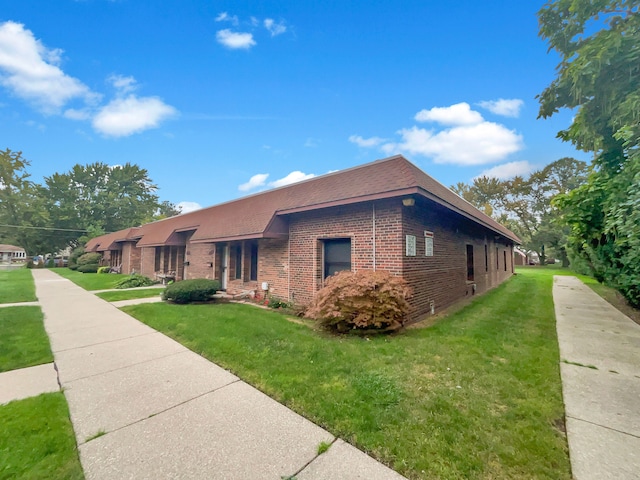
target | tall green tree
[
  {"x": 525, "y": 204},
  {"x": 22, "y": 208},
  {"x": 99, "y": 197},
  {"x": 599, "y": 78}
]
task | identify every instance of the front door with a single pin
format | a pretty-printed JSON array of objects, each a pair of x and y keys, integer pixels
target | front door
[{"x": 224, "y": 266}]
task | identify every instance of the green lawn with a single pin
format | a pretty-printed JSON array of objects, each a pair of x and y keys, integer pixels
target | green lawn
[
  {"x": 17, "y": 286},
  {"x": 129, "y": 294},
  {"x": 477, "y": 395},
  {"x": 37, "y": 440},
  {"x": 90, "y": 281},
  {"x": 23, "y": 341}
]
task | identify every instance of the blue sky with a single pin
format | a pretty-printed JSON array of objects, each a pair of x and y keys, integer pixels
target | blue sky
[{"x": 219, "y": 99}]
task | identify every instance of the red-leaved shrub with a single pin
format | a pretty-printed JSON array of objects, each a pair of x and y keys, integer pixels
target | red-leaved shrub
[{"x": 362, "y": 300}]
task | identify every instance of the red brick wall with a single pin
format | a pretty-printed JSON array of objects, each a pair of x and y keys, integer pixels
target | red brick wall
[
  {"x": 147, "y": 261},
  {"x": 442, "y": 278},
  {"x": 307, "y": 230},
  {"x": 199, "y": 256}
]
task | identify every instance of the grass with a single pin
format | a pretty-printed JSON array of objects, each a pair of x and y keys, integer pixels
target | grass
[
  {"x": 23, "y": 340},
  {"x": 609, "y": 294},
  {"x": 90, "y": 281},
  {"x": 37, "y": 440},
  {"x": 477, "y": 395},
  {"x": 17, "y": 285},
  {"x": 129, "y": 294}
]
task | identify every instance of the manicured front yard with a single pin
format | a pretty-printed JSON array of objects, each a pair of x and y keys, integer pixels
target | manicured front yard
[
  {"x": 90, "y": 281},
  {"x": 23, "y": 341},
  {"x": 17, "y": 286},
  {"x": 37, "y": 440},
  {"x": 130, "y": 294},
  {"x": 477, "y": 395}
]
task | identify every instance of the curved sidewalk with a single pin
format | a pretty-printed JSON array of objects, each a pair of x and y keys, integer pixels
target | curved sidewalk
[
  {"x": 600, "y": 369},
  {"x": 145, "y": 407}
]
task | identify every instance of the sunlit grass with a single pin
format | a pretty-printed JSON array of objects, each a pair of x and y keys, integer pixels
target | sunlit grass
[
  {"x": 130, "y": 294},
  {"x": 23, "y": 341},
  {"x": 90, "y": 281},
  {"x": 477, "y": 395},
  {"x": 16, "y": 285}
]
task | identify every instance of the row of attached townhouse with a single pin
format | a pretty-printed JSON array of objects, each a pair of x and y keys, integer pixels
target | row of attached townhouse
[{"x": 385, "y": 215}]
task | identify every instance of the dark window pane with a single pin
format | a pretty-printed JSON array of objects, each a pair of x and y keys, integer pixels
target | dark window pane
[
  {"x": 337, "y": 256},
  {"x": 253, "y": 274}
]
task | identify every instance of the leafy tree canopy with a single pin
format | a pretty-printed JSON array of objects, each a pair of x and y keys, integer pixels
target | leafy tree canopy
[
  {"x": 72, "y": 207},
  {"x": 599, "y": 77}
]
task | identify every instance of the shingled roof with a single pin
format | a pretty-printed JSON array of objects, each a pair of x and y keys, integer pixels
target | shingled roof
[{"x": 256, "y": 216}]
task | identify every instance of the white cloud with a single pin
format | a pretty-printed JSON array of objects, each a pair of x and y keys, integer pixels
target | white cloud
[
  {"x": 123, "y": 84},
  {"x": 258, "y": 180},
  {"x": 125, "y": 116},
  {"x": 458, "y": 114},
  {"x": 508, "y": 170},
  {"x": 293, "y": 177},
  {"x": 366, "y": 142},
  {"x": 77, "y": 114},
  {"x": 235, "y": 40},
  {"x": 31, "y": 71},
  {"x": 186, "y": 207},
  {"x": 464, "y": 139},
  {"x": 273, "y": 27},
  {"x": 225, "y": 17},
  {"x": 486, "y": 142},
  {"x": 507, "y": 108}
]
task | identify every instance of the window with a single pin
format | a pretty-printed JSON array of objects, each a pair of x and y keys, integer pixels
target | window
[
  {"x": 497, "y": 259},
  {"x": 486, "y": 258},
  {"x": 253, "y": 273},
  {"x": 238, "y": 262},
  {"x": 337, "y": 256},
  {"x": 505, "y": 260},
  {"x": 156, "y": 265},
  {"x": 470, "y": 263}
]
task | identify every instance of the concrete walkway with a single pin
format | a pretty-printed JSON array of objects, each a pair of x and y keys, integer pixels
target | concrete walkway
[
  {"x": 600, "y": 368},
  {"x": 145, "y": 407},
  {"x": 28, "y": 382}
]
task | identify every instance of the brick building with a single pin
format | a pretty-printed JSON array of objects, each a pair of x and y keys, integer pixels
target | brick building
[{"x": 385, "y": 215}]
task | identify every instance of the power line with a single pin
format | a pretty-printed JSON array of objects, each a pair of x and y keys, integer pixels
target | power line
[{"x": 45, "y": 228}]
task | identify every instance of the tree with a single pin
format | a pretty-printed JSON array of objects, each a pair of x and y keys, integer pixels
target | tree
[
  {"x": 22, "y": 208},
  {"x": 99, "y": 197},
  {"x": 524, "y": 205},
  {"x": 599, "y": 77}
]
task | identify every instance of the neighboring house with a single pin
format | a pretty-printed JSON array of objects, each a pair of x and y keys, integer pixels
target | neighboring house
[
  {"x": 520, "y": 257},
  {"x": 385, "y": 215},
  {"x": 12, "y": 254}
]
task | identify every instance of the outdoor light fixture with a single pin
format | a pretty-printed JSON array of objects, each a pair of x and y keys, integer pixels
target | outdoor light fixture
[{"x": 409, "y": 202}]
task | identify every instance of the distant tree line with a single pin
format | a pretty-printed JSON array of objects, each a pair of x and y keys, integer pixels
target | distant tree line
[{"x": 69, "y": 208}]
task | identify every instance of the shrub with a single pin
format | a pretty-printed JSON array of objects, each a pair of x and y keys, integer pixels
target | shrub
[
  {"x": 104, "y": 270},
  {"x": 73, "y": 258},
  {"x": 187, "y": 291},
  {"x": 50, "y": 263},
  {"x": 30, "y": 264},
  {"x": 361, "y": 301},
  {"x": 275, "y": 302},
  {"x": 88, "y": 268},
  {"x": 89, "y": 258},
  {"x": 134, "y": 280}
]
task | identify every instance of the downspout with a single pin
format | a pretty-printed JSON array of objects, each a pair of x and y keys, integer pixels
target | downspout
[
  {"x": 373, "y": 229},
  {"x": 289, "y": 262}
]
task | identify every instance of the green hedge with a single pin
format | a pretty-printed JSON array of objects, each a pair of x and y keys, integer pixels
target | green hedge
[
  {"x": 187, "y": 291},
  {"x": 88, "y": 268}
]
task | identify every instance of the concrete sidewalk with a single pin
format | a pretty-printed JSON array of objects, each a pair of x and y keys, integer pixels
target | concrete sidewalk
[
  {"x": 600, "y": 368},
  {"x": 28, "y": 382},
  {"x": 145, "y": 407}
]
